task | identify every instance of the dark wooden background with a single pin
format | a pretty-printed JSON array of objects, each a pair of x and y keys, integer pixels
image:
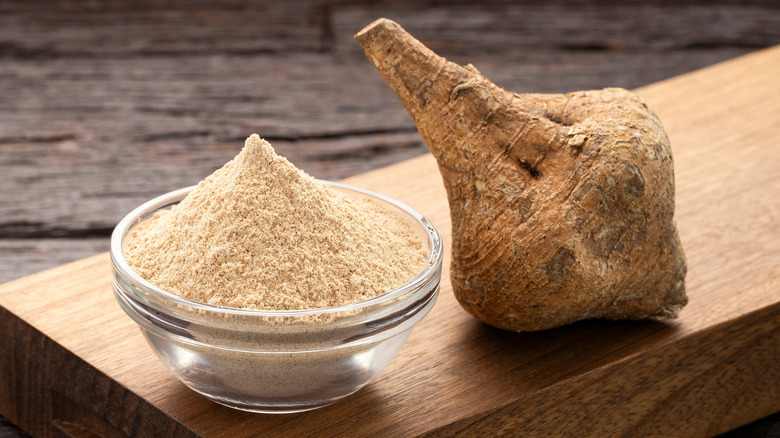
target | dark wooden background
[{"x": 105, "y": 104}]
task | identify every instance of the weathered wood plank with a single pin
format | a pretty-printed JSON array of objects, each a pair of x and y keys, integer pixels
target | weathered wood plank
[
  {"x": 96, "y": 186},
  {"x": 83, "y": 141},
  {"x": 512, "y": 30},
  {"x": 83, "y": 131},
  {"x": 45, "y": 29},
  {"x": 22, "y": 257},
  {"x": 146, "y": 28}
]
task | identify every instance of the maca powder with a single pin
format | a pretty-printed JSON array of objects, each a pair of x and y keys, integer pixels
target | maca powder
[{"x": 261, "y": 234}]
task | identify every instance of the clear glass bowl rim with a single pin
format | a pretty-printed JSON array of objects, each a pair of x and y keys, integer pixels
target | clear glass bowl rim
[{"x": 122, "y": 268}]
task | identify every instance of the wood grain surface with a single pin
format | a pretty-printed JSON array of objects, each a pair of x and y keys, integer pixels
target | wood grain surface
[
  {"x": 105, "y": 104},
  {"x": 710, "y": 371}
]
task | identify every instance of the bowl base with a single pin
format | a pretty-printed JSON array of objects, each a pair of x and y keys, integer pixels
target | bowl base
[{"x": 274, "y": 408}]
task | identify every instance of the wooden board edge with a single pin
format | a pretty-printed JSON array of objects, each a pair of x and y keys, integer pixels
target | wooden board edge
[
  {"x": 719, "y": 379},
  {"x": 49, "y": 391}
]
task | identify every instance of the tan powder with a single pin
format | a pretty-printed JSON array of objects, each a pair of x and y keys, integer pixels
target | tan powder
[{"x": 261, "y": 234}]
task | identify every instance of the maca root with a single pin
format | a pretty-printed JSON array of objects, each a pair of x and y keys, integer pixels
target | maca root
[{"x": 562, "y": 205}]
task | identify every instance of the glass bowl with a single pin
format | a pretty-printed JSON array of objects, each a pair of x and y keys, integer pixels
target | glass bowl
[{"x": 276, "y": 361}]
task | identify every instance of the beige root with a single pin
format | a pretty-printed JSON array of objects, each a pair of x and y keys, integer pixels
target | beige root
[{"x": 562, "y": 206}]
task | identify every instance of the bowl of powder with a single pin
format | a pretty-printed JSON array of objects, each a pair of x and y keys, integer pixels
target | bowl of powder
[{"x": 269, "y": 291}]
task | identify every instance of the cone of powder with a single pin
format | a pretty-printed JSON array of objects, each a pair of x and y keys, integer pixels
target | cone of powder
[{"x": 261, "y": 234}]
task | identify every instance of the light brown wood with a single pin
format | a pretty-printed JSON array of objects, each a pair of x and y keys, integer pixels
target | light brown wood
[{"x": 67, "y": 342}]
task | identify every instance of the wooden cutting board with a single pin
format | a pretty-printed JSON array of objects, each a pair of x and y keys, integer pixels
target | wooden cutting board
[{"x": 72, "y": 363}]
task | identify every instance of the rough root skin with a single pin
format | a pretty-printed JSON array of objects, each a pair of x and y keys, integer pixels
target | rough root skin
[{"x": 562, "y": 206}]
